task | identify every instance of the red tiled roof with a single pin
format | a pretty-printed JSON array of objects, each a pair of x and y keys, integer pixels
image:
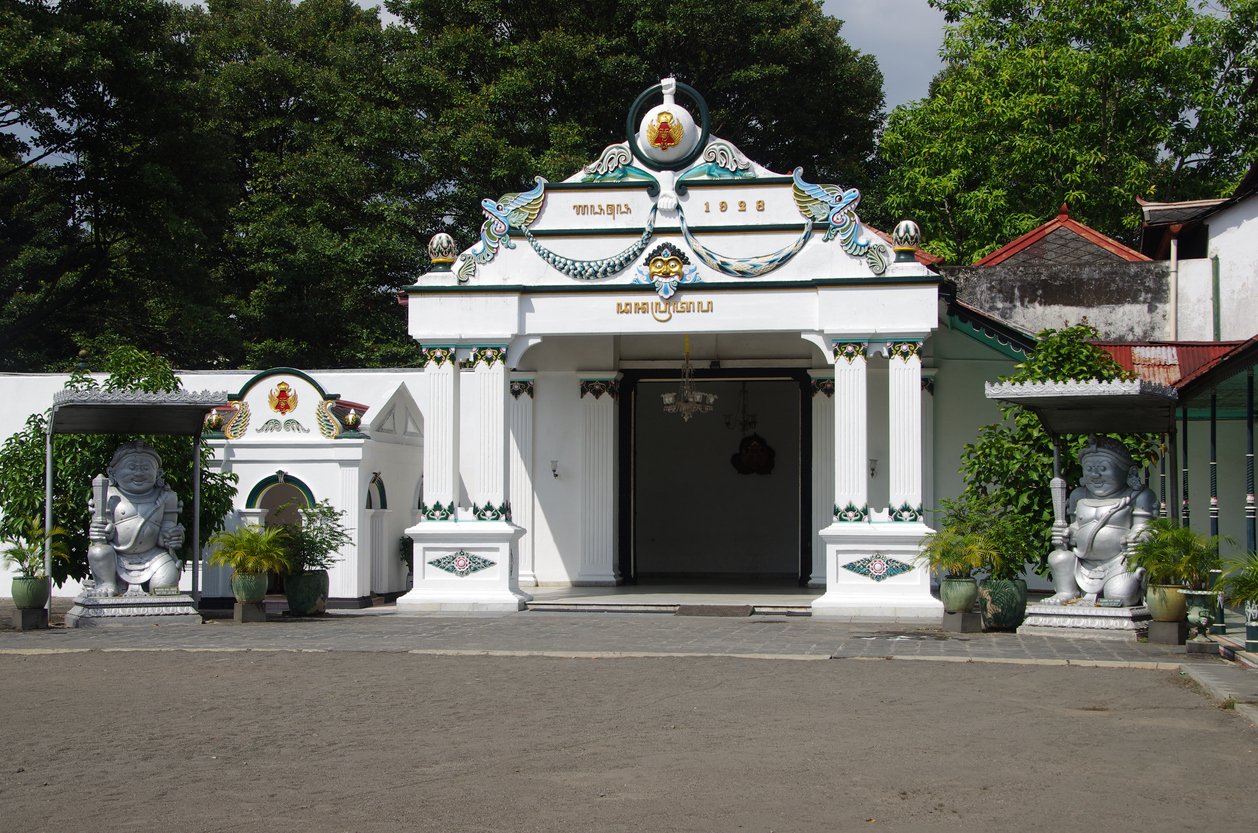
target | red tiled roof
[
  {"x": 1167, "y": 362},
  {"x": 1059, "y": 227}
]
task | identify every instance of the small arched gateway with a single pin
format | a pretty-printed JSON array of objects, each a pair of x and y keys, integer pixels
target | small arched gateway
[
  {"x": 293, "y": 444},
  {"x": 596, "y": 361}
]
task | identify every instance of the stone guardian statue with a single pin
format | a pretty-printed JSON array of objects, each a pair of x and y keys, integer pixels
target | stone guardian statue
[
  {"x": 135, "y": 528},
  {"x": 1108, "y": 512}
]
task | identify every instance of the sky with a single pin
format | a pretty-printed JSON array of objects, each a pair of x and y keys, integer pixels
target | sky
[{"x": 904, "y": 35}]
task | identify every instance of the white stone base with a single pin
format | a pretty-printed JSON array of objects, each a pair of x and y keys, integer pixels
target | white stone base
[
  {"x": 873, "y": 590},
  {"x": 1085, "y": 620},
  {"x": 133, "y": 609},
  {"x": 464, "y": 566}
]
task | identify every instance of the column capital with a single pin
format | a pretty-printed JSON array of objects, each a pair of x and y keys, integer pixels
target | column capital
[
  {"x": 904, "y": 350},
  {"x": 522, "y": 387},
  {"x": 596, "y": 387},
  {"x": 849, "y": 351},
  {"x": 435, "y": 355},
  {"x": 823, "y": 387},
  {"x": 488, "y": 355}
]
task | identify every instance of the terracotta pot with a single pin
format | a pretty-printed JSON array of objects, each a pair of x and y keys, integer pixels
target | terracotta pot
[
  {"x": 307, "y": 593},
  {"x": 1002, "y": 603},
  {"x": 958, "y": 593},
  {"x": 1166, "y": 603},
  {"x": 30, "y": 593},
  {"x": 249, "y": 588}
]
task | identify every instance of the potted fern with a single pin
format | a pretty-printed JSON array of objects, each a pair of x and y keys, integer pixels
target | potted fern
[
  {"x": 1180, "y": 562},
  {"x": 1240, "y": 586},
  {"x": 252, "y": 552},
  {"x": 313, "y": 545},
  {"x": 955, "y": 551},
  {"x": 25, "y": 554}
]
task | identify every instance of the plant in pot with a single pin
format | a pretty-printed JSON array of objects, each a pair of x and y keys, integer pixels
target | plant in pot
[
  {"x": 955, "y": 551},
  {"x": 25, "y": 554},
  {"x": 1010, "y": 542},
  {"x": 1180, "y": 562},
  {"x": 1240, "y": 586},
  {"x": 252, "y": 552},
  {"x": 313, "y": 544}
]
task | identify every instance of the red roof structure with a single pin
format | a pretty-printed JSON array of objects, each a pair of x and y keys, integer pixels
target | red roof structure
[
  {"x": 1061, "y": 240},
  {"x": 1169, "y": 362}
]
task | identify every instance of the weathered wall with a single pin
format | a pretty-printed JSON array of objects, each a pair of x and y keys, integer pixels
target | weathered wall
[{"x": 1125, "y": 301}]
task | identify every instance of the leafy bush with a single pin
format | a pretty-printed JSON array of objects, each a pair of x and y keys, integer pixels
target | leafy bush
[
  {"x": 25, "y": 552},
  {"x": 251, "y": 549},
  {"x": 1177, "y": 555},
  {"x": 314, "y": 542}
]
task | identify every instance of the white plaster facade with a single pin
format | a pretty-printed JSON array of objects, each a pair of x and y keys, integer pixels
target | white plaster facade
[{"x": 1232, "y": 243}]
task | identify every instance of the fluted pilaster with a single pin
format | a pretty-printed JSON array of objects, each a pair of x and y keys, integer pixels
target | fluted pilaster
[
  {"x": 441, "y": 434},
  {"x": 822, "y": 469},
  {"x": 598, "y": 480},
  {"x": 904, "y": 412},
  {"x": 520, "y": 464},
  {"x": 487, "y": 475},
  {"x": 851, "y": 441}
]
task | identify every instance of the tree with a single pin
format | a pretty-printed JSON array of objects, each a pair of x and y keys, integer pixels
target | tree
[
  {"x": 507, "y": 91},
  {"x": 107, "y": 148},
  {"x": 77, "y": 458},
  {"x": 322, "y": 230},
  {"x": 1091, "y": 102},
  {"x": 1008, "y": 467}
]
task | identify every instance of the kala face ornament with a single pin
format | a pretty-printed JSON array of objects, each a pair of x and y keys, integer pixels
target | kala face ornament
[{"x": 667, "y": 267}]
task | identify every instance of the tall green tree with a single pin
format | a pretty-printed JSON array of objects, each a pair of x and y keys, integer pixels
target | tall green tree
[
  {"x": 107, "y": 152},
  {"x": 322, "y": 227},
  {"x": 1091, "y": 102},
  {"x": 506, "y": 90}
]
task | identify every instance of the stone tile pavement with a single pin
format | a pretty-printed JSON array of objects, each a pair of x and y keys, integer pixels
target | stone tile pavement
[{"x": 539, "y": 633}]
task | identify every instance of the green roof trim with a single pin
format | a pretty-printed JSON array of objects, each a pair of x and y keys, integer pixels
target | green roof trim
[
  {"x": 748, "y": 285},
  {"x": 281, "y": 371}
]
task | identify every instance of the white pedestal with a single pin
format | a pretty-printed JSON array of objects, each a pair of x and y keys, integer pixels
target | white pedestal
[
  {"x": 870, "y": 573},
  {"x": 464, "y": 566}
]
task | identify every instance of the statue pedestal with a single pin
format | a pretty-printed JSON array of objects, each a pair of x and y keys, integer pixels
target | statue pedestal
[
  {"x": 1087, "y": 621},
  {"x": 133, "y": 609}
]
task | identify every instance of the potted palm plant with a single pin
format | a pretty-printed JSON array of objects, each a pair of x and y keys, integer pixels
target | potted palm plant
[
  {"x": 1179, "y": 562},
  {"x": 25, "y": 554},
  {"x": 313, "y": 545},
  {"x": 1240, "y": 583},
  {"x": 955, "y": 551},
  {"x": 252, "y": 552}
]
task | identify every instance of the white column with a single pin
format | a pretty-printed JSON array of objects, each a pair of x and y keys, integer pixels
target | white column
[
  {"x": 598, "y": 480},
  {"x": 822, "y": 469},
  {"x": 441, "y": 434},
  {"x": 904, "y": 431},
  {"x": 851, "y": 441},
  {"x": 465, "y": 560},
  {"x": 928, "y": 437},
  {"x": 487, "y": 426},
  {"x": 520, "y": 464},
  {"x": 349, "y": 577}
]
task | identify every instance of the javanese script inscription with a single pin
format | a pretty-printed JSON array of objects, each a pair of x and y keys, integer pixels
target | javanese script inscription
[
  {"x": 663, "y": 310},
  {"x": 610, "y": 209}
]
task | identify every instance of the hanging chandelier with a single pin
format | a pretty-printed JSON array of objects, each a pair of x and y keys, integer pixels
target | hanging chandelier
[{"x": 687, "y": 401}]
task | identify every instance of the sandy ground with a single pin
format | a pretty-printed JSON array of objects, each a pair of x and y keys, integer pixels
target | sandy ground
[{"x": 256, "y": 741}]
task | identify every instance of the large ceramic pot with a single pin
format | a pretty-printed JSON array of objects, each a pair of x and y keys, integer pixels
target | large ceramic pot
[
  {"x": 30, "y": 593},
  {"x": 1201, "y": 603},
  {"x": 1002, "y": 603},
  {"x": 307, "y": 593},
  {"x": 958, "y": 593},
  {"x": 1166, "y": 603},
  {"x": 249, "y": 588}
]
